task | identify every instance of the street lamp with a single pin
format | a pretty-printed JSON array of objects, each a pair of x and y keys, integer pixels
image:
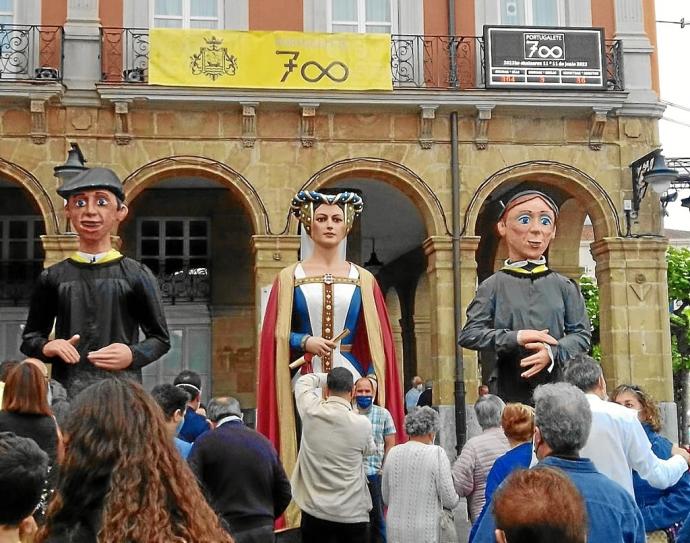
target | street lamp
[
  {"x": 374, "y": 265},
  {"x": 74, "y": 165},
  {"x": 650, "y": 170}
]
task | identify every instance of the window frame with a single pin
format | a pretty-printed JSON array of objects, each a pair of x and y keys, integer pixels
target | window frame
[
  {"x": 529, "y": 13},
  {"x": 186, "y": 237},
  {"x": 12, "y": 14},
  {"x": 361, "y": 21},
  {"x": 186, "y": 17}
]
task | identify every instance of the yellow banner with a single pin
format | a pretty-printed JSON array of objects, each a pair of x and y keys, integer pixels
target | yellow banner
[{"x": 269, "y": 60}]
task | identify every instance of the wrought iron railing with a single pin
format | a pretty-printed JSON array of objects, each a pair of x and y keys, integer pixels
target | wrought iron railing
[
  {"x": 31, "y": 52},
  {"x": 124, "y": 55},
  {"x": 614, "y": 65},
  {"x": 432, "y": 62},
  {"x": 188, "y": 285}
]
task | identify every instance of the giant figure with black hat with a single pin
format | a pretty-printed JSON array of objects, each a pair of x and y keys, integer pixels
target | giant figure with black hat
[
  {"x": 97, "y": 299},
  {"x": 533, "y": 318}
]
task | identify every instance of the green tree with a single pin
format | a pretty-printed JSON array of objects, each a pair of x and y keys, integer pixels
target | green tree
[
  {"x": 590, "y": 292},
  {"x": 679, "y": 298}
]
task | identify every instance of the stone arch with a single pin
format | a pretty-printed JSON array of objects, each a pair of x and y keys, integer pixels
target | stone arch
[
  {"x": 392, "y": 173},
  {"x": 174, "y": 166},
  {"x": 26, "y": 180},
  {"x": 584, "y": 188},
  {"x": 395, "y": 315}
]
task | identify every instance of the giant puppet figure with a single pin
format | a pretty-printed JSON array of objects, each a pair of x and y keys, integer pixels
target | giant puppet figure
[
  {"x": 310, "y": 305},
  {"x": 533, "y": 318},
  {"x": 97, "y": 299}
]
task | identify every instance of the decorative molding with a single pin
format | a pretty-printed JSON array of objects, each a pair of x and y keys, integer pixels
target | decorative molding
[
  {"x": 481, "y": 126},
  {"x": 308, "y": 124},
  {"x": 122, "y": 133},
  {"x": 596, "y": 127},
  {"x": 426, "y": 125},
  {"x": 249, "y": 123},
  {"x": 38, "y": 121}
]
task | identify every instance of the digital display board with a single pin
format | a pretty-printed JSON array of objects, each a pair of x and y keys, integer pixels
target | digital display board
[{"x": 544, "y": 57}]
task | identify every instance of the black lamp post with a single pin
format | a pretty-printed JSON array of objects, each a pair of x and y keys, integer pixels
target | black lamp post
[
  {"x": 650, "y": 170},
  {"x": 74, "y": 165}
]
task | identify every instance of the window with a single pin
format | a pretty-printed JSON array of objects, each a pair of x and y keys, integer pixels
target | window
[
  {"x": 532, "y": 12},
  {"x": 174, "y": 244},
  {"x": 363, "y": 16},
  {"x": 186, "y": 13},
  {"x": 21, "y": 250},
  {"x": 6, "y": 11}
]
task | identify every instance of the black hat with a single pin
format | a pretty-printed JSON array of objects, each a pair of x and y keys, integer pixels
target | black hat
[
  {"x": 524, "y": 196},
  {"x": 93, "y": 178}
]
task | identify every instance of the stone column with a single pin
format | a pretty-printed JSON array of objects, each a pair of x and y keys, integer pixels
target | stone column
[
  {"x": 468, "y": 286},
  {"x": 634, "y": 318},
  {"x": 271, "y": 254},
  {"x": 58, "y": 247},
  {"x": 637, "y": 51},
  {"x": 439, "y": 252},
  {"x": 82, "y": 68}
]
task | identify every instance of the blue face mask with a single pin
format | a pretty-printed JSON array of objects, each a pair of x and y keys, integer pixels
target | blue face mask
[
  {"x": 364, "y": 402},
  {"x": 179, "y": 426}
]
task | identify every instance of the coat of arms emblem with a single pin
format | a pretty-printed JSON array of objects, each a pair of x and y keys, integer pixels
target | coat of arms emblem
[{"x": 213, "y": 61}]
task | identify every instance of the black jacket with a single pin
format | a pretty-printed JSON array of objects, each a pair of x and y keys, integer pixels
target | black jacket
[
  {"x": 104, "y": 303},
  {"x": 241, "y": 474}
]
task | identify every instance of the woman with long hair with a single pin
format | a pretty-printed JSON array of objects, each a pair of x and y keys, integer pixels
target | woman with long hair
[
  {"x": 122, "y": 479},
  {"x": 662, "y": 510},
  {"x": 26, "y": 412}
]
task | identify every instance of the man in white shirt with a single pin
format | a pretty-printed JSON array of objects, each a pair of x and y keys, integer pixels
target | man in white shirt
[
  {"x": 329, "y": 484},
  {"x": 617, "y": 443}
]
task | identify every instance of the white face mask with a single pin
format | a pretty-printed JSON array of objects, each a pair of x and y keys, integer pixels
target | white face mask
[{"x": 420, "y": 387}]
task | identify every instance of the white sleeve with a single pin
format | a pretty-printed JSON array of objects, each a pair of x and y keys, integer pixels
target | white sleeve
[
  {"x": 306, "y": 391},
  {"x": 657, "y": 472}
]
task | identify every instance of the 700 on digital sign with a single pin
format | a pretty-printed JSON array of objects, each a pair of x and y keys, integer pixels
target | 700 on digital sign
[{"x": 565, "y": 58}]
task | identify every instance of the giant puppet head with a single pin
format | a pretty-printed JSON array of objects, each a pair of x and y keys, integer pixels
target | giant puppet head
[
  {"x": 326, "y": 218},
  {"x": 528, "y": 224}
]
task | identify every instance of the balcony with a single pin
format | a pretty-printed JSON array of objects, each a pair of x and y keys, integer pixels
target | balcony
[
  {"x": 418, "y": 62},
  {"x": 31, "y": 53}
]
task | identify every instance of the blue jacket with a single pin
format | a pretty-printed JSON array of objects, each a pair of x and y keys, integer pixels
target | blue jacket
[
  {"x": 661, "y": 508},
  {"x": 611, "y": 511},
  {"x": 194, "y": 425},
  {"x": 515, "y": 458}
]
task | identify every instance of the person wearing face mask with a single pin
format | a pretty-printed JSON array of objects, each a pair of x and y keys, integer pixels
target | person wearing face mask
[
  {"x": 173, "y": 401},
  {"x": 531, "y": 317},
  {"x": 617, "y": 444},
  {"x": 662, "y": 510},
  {"x": 328, "y": 313},
  {"x": 383, "y": 431}
]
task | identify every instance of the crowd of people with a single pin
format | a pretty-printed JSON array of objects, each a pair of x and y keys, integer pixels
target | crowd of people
[{"x": 88, "y": 456}]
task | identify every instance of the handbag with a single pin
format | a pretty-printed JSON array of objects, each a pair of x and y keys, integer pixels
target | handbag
[{"x": 447, "y": 532}]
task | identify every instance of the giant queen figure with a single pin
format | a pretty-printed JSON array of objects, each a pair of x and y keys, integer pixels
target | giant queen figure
[{"x": 311, "y": 305}]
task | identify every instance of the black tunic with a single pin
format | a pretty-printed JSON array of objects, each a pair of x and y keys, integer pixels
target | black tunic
[{"x": 104, "y": 303}]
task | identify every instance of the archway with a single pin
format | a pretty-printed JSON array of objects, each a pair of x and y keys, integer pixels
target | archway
[
  {"x": 578, "y": 196},
  {"x": 191, "y": 221},
  {"x": 26, "y": 213}
]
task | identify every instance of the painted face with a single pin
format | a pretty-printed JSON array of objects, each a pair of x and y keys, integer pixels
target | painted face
[
  {"x": 528, "y": 228},
  {"x": 630, "y": 400},
  {"x": 328, "y": 228},
  {"x": 94, "y": 214}
]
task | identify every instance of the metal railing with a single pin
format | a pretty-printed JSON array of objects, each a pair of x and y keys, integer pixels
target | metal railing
[
  {"x": 186, "y": 285},
  {"x": 417, "y": 61},
  {"x": 31, "y": 52}
]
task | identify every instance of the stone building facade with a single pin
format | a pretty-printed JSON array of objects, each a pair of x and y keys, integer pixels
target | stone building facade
[{"x": 209, "y": 173}]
